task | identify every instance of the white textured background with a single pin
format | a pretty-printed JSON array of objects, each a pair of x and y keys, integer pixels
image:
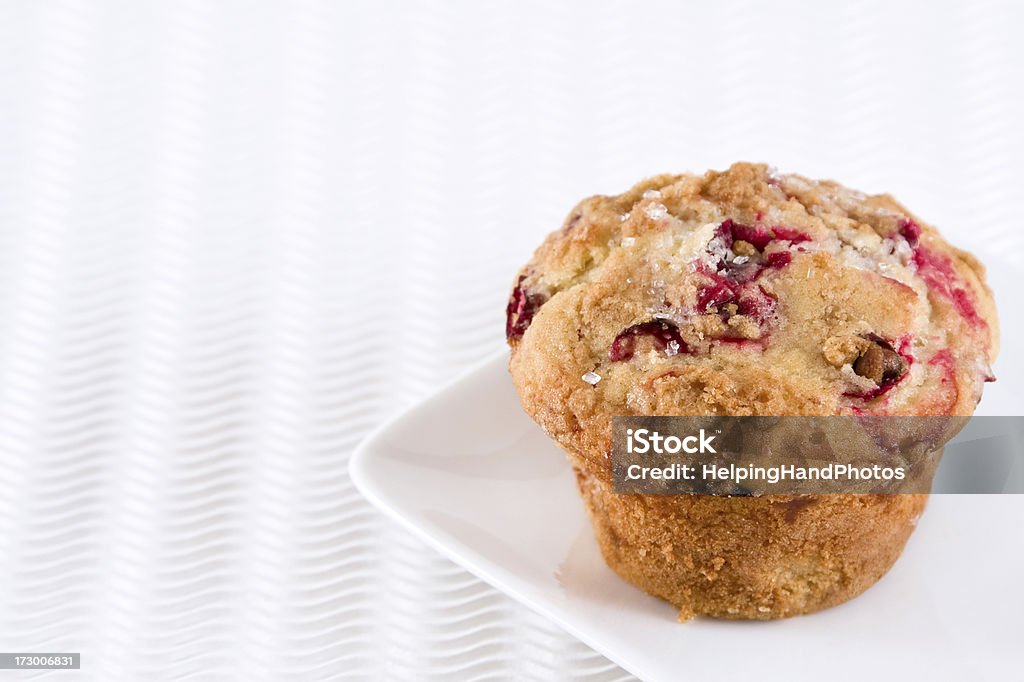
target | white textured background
[{"x": 236, "y": 236}]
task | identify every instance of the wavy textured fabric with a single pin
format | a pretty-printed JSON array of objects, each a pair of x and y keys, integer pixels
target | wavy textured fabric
[{"x": 235, "y": 237}]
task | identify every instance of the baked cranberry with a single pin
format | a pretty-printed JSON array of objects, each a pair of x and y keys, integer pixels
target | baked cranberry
[
  {"x": 910, "y": 231},
  {"x": 756, "y": 235},
  {"x": 522, "y": 306},
  {"x": 936, "y": 269},
  {"x": 724, "y": 288},
  {"x": 724, "y": 232},
  {"x": 778, "y": 259},
  {"x": 717, "y": 294},
  {"x": 748, "y": 244},
  {"x": 790, "y": 235},
  {"x": 663, "y": 333},
  {"x": 756, "y": 303}
]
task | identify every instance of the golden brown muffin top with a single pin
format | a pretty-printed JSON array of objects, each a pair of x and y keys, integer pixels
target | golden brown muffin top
[{"x": 746, "y": 292}]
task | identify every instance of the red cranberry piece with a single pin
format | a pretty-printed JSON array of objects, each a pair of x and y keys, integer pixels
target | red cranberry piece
[
  {"x": 790, "y": 235},
  {"x": 778, "y": 259},
  {"x": 910, "y": 231},
  {"x": 750, "y": 301},
  {"x": 756, "y": 235},
  {"x": 759, "y": 236},
  {"x": 662, "y": 333},
  {"x": 724, "y": 232},
  {"x": 735, "y": 283},
  {"x": 713, "y": 296},
  {"x": 522, "y": 306},
  {"x": 729, "y": 231},
  {"x": 937, "y": 271},
  {"x": 964, "y": 304},
  {"x": 756, "y": 304},
  {"x": 903, "y": 347}
]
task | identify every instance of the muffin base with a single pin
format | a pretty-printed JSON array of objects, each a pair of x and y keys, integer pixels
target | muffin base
[{"x": 749, "y": 558}]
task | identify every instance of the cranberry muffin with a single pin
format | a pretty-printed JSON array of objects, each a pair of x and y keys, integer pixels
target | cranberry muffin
[{"x": 745, "y": 292}]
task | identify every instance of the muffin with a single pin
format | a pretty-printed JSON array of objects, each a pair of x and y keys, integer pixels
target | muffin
[{"x": 745, "y": 292}]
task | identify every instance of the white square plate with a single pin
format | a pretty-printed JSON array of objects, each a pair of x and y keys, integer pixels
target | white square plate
[{"x": 471, "y": 474}]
